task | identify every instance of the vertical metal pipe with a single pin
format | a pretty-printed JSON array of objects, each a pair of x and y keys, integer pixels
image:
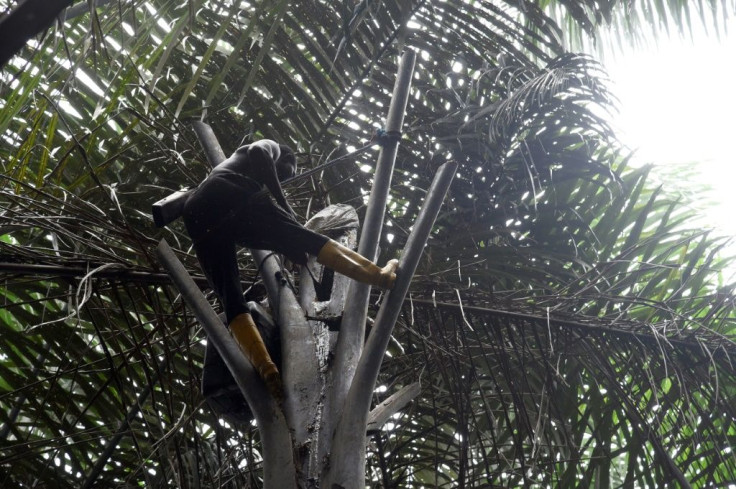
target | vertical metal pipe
[
  {"x": 352, "y": 331},
  {"x": 347, "y": 463},
  {"x": 279, "y": 470}
]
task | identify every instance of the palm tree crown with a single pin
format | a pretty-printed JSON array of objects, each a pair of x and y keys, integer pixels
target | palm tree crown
[{"x": 567, "y": 324}]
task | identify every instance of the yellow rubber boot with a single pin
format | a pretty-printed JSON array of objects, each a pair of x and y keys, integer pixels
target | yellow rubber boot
[
  {"x": 351, "y": 264},
  {"x": 246, "y": 333}
]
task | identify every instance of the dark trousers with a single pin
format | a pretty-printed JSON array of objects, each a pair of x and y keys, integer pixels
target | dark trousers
[{"x": 229, "y": 211}]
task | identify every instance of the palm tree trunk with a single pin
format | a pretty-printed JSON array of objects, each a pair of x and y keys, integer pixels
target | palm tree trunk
[
  {"x": 347, "y": 463},
  {"x": 278, "y": 462}
]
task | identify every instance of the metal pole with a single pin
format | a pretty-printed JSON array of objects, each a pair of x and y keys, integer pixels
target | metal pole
[{"x": 347, "y": 465}]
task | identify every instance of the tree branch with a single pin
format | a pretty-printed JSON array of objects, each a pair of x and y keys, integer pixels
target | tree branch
[
  {"x": 391, "y": 406},
  {"x": 26, "y": 20},
  {"x": 352, "y": 331},
  {"x": 348, "y": 449},
  {"x": 278, "y": 464}
]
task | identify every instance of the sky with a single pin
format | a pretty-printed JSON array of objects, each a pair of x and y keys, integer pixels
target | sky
[{"x": 678, "y": 107}]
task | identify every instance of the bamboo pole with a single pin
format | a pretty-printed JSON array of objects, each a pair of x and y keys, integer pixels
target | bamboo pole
[{"x": 347, "y": 462}]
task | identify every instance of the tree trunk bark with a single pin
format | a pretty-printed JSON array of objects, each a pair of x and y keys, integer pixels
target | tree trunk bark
[{"x": 347, "y": 463}]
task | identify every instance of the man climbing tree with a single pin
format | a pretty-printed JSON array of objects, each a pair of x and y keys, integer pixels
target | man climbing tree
[
  {"x": 317, "y": 437},
  {"x": 233, "y": 207}
]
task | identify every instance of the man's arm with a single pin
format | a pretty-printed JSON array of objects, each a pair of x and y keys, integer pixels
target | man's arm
[{"x": 263, "y": 163}]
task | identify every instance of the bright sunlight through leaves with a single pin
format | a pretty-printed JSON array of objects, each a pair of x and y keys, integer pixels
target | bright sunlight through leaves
[{"x": 677, "y": 103}]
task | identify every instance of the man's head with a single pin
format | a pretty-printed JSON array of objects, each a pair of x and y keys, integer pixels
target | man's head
[{"x": 286, "y": 164}]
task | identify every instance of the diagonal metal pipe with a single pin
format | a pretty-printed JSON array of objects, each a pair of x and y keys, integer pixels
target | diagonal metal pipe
[{"x": 347, "y": 463}]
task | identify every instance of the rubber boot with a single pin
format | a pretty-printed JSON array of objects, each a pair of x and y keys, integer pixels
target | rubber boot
[
  {"x": 351, "y": 264},
  {"x": 246, "y": 333}
]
